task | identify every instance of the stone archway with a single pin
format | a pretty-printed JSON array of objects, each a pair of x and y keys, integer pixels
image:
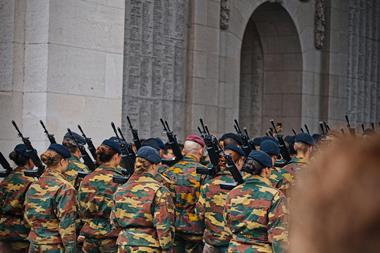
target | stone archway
[{"x": 270, "y": 70}]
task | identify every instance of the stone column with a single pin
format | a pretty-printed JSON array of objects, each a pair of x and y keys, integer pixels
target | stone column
[{"x": 63, "y": 66}]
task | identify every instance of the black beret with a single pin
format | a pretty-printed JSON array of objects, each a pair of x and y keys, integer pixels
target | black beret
[
  {"x": 235, "y": 148},
  {"x": 155, "y": 143},
  {"x": 304, "y": 138},
  {"x": 79, "y": 139},
  {"x": 270, "y": 147},
  {"x": 60, "y": 149},
  {"x": 112, "y": 143},
  {"x": 21, "y": 150},
  {"x": 150, "y": 154},
  {"x": 232, "y": 136},
  {"x": 261, "y": 157}
]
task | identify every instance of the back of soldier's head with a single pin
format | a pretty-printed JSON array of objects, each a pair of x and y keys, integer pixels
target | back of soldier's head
[{"x": 336, "y": 201}]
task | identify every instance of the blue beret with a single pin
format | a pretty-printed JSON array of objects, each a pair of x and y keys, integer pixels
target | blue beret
[
  {"x": 257, "y": 141},
  {"x": 232, "y": 136},
  {"x": 235, "y": 148},
  {"x": 290, "y": 139},
  {"x": 270, "y": 147},
  {"x": 316, "y": 137},
  {"x": 261, "y": 157},
  {"x": 304, "y": 138},
  {"x": 150, "y": 154},
  {"x": 113, "y": 143},
  {"x": 21, "y": 150},
  {"x": 161, "y": 144},
  {"x": 79, "y": 139},
  {"x": 60, "y": 149},
  {"x": 155, "y": 143}
]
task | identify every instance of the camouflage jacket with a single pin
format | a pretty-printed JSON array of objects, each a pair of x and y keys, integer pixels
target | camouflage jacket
[
  {"x": 12, "y": 197},
  {"x": 210, "y": 209},
  {"x": 281, "y": 179},
  {"x": 185, "y": 183},
  {"x": 294, "y": 166},
  {"x": 50, "y": 210},
  {"x": 71, "y": 172},
  {"x": 144, "y": 210},
  {"x": 256, "y": 215},
  {"x": 95, "y": 202}
]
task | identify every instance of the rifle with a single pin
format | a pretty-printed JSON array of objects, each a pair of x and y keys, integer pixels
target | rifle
[
  {"x": 294, "y": 131},
  {"x": 32, "y": 153},
  {"x": 373, "y": 126},
  {"x": 322, "y": 128},
  {"x": 5, "y": 165},
  {"x": 136, "y": 139},
  {"x": 247, "y": 148},
  {"x": 85, "y": 156},
  {"x": 89, "y": 143},
  {"x": 363, "y": 128},
  {"x": 307, "y": 129},
  {"x": 326, "y": 126},
  {"x": 283, "y": 149},
  {"x": 172, "y": 140},
  {"x": 231, "y": 166},
  {"x": 302, "y": 131},
  {"x": 213, "y": 151},
  {"x": 350, "y": 129},
  {"x": 50, "y": 136},
  {"x": 127, "y": 158}
]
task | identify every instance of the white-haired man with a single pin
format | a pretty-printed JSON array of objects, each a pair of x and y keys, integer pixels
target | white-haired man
[{"x": 185, "y": 186}]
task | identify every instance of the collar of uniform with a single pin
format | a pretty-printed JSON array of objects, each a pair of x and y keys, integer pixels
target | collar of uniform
[
  {"x": 190, "y": 158},
  {"x": 144, "y": 177},
  {"x": 112, "y": 169},
  {"x": 52, "y": 173},
  {"x": 256, "y": 179},
  {"x": 73, "y": 158}
]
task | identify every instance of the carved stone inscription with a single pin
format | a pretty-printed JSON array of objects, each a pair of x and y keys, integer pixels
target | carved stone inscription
[{"x": 154, "y": 64}]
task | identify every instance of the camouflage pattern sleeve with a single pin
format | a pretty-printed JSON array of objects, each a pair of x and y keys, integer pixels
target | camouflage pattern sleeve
[
  {"x": 201, "y": 204},
  {"x": 66, "y": 213},
  {"x": 163, "y": 210},
  {"x": 277, "y": 224}
]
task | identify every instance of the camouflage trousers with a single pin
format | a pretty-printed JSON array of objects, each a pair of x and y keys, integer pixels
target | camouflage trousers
[
  {"x": 47, "y": 248},
  {"x": 95, "y": 245},
  {"x": 14, "y": 246},
  {"x": 187, "y": 244},
  {"x": 136, "y": 249},
  {"x": 214, "y": 249}
]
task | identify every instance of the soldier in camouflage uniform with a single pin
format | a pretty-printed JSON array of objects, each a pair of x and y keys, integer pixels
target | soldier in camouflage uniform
[
  {"x": 255, "y": 212},
  {"x": 143, "y": 209},
  {"x": 75, "y": 165},
  {"x": 50, "y": 206},
  {"x": 279, "y": 177},
  {"x": 185, "y": 183},
  {"x": 13, "y": 230},
  {"x": 303, "y": 145},
  {"x": 95, "y": 200},
  {"x": 211, "y": 204}
]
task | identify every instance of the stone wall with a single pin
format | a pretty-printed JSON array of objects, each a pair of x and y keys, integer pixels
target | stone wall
[
  {"x": 63, "y": 65},
  {"x": 154, "y": 65}
]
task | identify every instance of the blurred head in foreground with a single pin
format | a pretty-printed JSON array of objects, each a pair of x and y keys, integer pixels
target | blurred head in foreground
[{"x": 336, "y": 204}]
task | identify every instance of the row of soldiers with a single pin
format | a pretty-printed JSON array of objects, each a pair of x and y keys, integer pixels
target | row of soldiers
[{"x": 216, "y": 195}]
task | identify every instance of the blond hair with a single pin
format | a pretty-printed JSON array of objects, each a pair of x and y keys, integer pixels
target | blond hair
[{"x": 51, "y": 158}]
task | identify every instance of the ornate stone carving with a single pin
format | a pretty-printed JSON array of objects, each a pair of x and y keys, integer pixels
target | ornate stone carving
[
  {"x": 320, "y": 24},
  {"x": 224, "y": 14}
]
